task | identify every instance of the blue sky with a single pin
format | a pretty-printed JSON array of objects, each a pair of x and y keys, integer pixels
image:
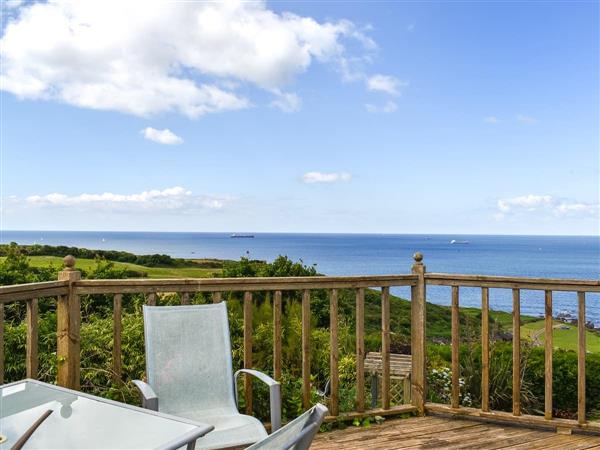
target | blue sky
[{"x": 383, "y": 117}]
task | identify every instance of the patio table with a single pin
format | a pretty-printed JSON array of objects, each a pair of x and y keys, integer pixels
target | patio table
[{"x": 82, "y": 421}]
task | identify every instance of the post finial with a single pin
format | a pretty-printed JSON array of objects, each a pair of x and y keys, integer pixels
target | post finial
[
  {"x": 69, "y": 262},
  {"x": 418, "y": 257}
]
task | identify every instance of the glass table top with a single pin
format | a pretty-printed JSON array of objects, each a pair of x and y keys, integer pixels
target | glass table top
[{"x": 81, "y": 421}]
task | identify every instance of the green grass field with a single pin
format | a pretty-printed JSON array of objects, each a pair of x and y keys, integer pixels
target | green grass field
[
  {"x": 152, "y": 272},
  {"x": 563, "y": 338}
]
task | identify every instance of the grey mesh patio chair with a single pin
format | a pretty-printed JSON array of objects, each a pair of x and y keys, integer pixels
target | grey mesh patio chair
[
  {"x": 189, "y": 372},
  {"x": 296, "y": 435}
]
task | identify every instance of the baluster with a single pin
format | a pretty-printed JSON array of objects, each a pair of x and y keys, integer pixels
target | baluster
[
  {"x": 581, "y": 358},
  {"x": 455, "y": 349},
  {"x": 334, "y": 353},
  {"x": 32, "y": 338},
  {"x": 217, "y": 297},
  {"x": 151, "y": 299},
  {"x": 117, "y": 330},
  {"x": 306, "y": 349},
  {"x": 277, "y": 310},
  {"x": 516, "y": 352},
  {"x": 185, "y": 298},
  {"x": 485, "y": 350},
  {"x": 548, "y": 355},
  {"x": 248, "y": 349},
  {"x": 385, "y": 347},
  {"x": 360, "y": 350}
]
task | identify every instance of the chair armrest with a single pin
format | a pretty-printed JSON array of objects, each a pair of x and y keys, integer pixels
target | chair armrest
[
  {"x": 274, "y": 394},
  {"x": 149, "y": 397}
]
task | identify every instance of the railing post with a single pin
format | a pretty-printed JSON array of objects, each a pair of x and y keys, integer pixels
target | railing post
[
  {"x": 418, "y": 312},
  {"x": 68, "y": 324}
]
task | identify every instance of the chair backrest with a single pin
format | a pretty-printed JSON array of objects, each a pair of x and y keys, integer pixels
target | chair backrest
[
  {"x": 296, "y": 435},
  {"x": 188, "y": 357}
]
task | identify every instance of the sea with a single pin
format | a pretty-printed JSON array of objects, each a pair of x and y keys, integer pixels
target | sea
[{"x": 366, "y": 254}]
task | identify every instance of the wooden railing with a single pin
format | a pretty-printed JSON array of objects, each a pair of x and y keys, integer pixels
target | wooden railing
[
  {"x": 516, "y": 284},
  {"x": 70, "y": 287}
]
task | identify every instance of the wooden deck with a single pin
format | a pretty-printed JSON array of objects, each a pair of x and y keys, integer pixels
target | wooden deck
[{"x": 435, "y": 432}]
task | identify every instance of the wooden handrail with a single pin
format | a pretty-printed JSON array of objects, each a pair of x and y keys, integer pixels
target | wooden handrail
[
  {"x": 507, "y": 282},
  {"x": 28, "y": 291},
  {"x": 130, "y": 286}
]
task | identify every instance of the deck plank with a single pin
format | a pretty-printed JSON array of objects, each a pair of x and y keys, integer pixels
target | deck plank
[{"x": 436, "y": 432}]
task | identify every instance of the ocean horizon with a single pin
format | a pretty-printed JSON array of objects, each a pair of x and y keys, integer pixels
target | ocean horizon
[{"x": 367, "y": 254}]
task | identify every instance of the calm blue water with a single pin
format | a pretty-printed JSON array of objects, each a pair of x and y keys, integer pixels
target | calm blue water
[{"x": 354, "y": 254}]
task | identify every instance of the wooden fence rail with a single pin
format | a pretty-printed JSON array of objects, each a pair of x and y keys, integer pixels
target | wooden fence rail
[
  {"x": 516, "y": 284},
  {"x": 70, "y": 287}
]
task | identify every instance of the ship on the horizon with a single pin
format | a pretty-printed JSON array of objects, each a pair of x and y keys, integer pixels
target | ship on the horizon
[
  {"x": 235, "y": 235},
  {"x": 454, "y": 241}
]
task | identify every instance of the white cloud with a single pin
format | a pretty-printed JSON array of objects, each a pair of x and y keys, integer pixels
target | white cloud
[
  {"x": 528, "y": 202},
  {"x": 491, "y": 119},
  {"x": 165, "y": 136},
  {"x": 12, "y": 4},
  {"x": 174, "y": 198},
  {"x": 526, "y": 119},
  {"x": 385, "y": 83},
  {"x": 544, "y": 204},
  {"x": 321, "y": 177},
  {"x": 386, "y": 108},
  {"x": 564, "y": 208},
  {"x": 148, "y": 57},
  {"x": 287, "y": 102}
]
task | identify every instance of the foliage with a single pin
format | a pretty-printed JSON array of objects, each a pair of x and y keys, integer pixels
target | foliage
[
  {"x": 532, "y": 378},
  {"x": 15, "y": 268},
  {"x": 156, "y": 260}
]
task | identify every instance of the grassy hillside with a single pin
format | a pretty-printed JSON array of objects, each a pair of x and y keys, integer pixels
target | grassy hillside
[
  {"x": 564, "y": 336},
  {"x": 151, "y": 272}
]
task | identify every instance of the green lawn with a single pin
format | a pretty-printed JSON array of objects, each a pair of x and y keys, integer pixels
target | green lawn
[
  {"x": 565, "y": 339},
  {"x": 153, "y": 272}
]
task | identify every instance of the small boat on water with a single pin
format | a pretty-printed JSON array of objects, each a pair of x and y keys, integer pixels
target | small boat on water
[
  {"x": 454, "y": 241},
  {"x": 247, "y": 236}
]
